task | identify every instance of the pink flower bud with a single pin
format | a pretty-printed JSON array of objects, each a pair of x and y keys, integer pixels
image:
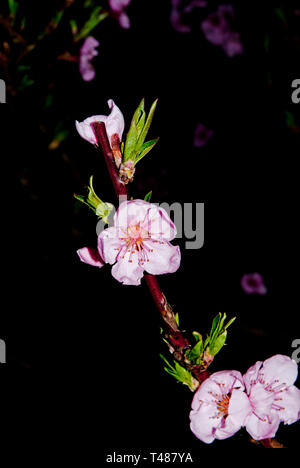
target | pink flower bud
[{"x": 114, "y": 123}]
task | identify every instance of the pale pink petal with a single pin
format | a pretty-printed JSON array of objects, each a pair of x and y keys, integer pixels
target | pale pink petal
[
  {"x": 131, "y": 212},
  {"x": 288, "y": 404},
  {"x": 90, "y": 256},
  {"x": 227, "y": 380},
  {"x": 87, "y": 53},
  {"x": 261, "y": 400},
  {"x": 250, "y": 377},
  {"x": 85, "y": 130},
  {"x": 127, "y": 270},
  {"x": 109, "y": 244},
  {"x": 205, "y": 393},
  {"x": 262, "y": 429},
  {"x": 124, "y": 21},
  {"x": 159, "y": 224},
  {"x": 239, "y": 407},
  {"x": 164, "y": 257},
  {"x": 203, "y": 422},
  {"x": 114, "y": 123},
  {"x": 238, "y": 410},
  {"x": 279, "y": 370}
]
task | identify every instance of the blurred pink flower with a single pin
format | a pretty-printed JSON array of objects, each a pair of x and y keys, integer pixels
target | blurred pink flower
[
  {"x": 202, "y": 135},
  {"x": 253, "y": 283},
  {"x": 272, "y": 395},
  {"x": 138, "y": 242},
  {"x": 114, "y": 123},
  {"x": 118, "y": 7},
  {"x": 87, "y": 53},
  {"x": 217, "y": 30},
  {"x": 180, "y": 9},
  {"x": 220, "y": 406}
]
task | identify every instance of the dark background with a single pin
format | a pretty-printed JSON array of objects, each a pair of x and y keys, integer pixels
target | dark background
[{"x": 83, "y": 370}]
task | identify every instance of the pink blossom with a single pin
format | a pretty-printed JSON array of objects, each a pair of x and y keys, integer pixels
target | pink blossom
[
  {"x": 90, "y": 256},
  {"x": 217, "y": 30},
  {"x": 253, "y": 283},
  {"x": 114, "y": 123},
  {"x": 139, "y": 241},
  {"x": 118, "y": 7},
  {"x": 202, "y": 135},
  {"x": 220, "y": 406},
  {"x": 180, "y": 9},
  {"x": 272, "y": 395},
  {"x": 87, "y": 53}
]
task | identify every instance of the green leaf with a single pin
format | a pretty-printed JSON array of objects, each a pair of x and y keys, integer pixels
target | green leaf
[
  {"x": 135, "y": 129},
  {"x": 74, "y": 27},
  {"x": 218, "y": 334},
  {"x": 13, "y": 6},
  {"x": 215, "y": 325},
  {"x": 148, "y": 123},
  {"x": 135, "y": 148},
  {"x": 195, "y": 354},
  {"x": 290, "y": 120},
  {"x": 26, "y": 82},
  {"x": 100, "y": 208},
  {"x": 176, "y": 315},
  {"x": 197, "y": 336},
  {"x": 179, "y": 373},
  {"x": 148, "y": 198},
  {"x": 146, "y": 147},
  {"x": 218, "y": 344},
  {"x": 96, "y": 17}
]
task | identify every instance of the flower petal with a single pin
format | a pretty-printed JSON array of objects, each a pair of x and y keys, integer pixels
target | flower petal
[
  {"x": 90, "y": 256},
  {"x": 114, "y": 123},
  {"x": 130, "y": 213},
  {"x": 289, "y": 404},
  {"x": 127, "y": 270},
  {"x": 85, "y": 130},
  {"x": 159, "y": 224},
  {"x": 279, "y": 370},
  {"x": 262, "y": 429},
  {"x": 239, "y": 408},
  {"x": 203, "y": 422},
  {"x": 163, "y": 257},
  {"x": 250, "y": 377},
  {"x": 109, "y": 244}
]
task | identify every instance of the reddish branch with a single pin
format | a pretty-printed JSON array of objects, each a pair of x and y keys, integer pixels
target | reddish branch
[{"x": 175, "y": 337}]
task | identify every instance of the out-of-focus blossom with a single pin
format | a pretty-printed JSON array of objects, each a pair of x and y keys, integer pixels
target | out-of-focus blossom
[
  {"x": 202, "y": 135},
  {"x": 272, "y": 395},
  {"x": 217, "y": 30},
  {"x": 114, "y": 124},
  {"x": 220, "y": 406},
  {"x": 139, "y": 241},
  {"x": 182, "y": 8},
  {"x": 118, "y": 7},
  {"x": 87, "y": 53},
  {"x": 253, "y": 283}
]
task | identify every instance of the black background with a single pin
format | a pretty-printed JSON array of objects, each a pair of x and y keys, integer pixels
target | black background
[{"x": 83, "y": 370}]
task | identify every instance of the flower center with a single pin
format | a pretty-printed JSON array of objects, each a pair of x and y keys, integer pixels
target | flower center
[
  {"x": 134, "y": 237},
  {"x": 223, "y": 403}
]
